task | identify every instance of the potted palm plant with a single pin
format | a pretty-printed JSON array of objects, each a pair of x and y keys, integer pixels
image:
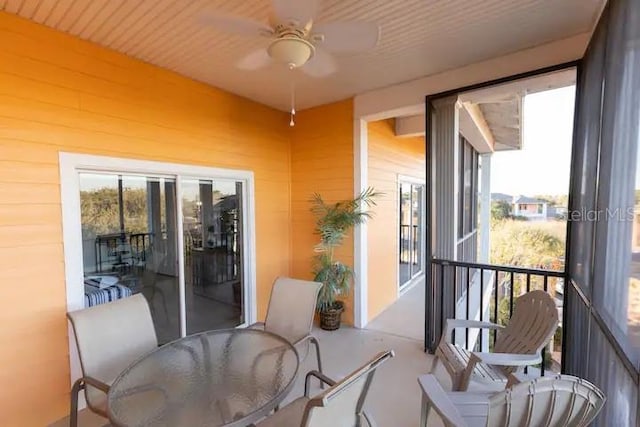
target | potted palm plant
[{"x": 333, "y": 222}]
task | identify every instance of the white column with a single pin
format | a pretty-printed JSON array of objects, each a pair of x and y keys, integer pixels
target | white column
[
  {"x": 485, "y": 240},
  {"x": 361, "y": 181},
  {"x": 485, "y": 208}
]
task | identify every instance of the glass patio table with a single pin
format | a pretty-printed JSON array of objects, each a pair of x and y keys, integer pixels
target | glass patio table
[{"x": 229, "y": 377}]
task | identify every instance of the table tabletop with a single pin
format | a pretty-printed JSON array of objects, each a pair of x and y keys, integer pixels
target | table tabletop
[{"x": 229, "y": 377}]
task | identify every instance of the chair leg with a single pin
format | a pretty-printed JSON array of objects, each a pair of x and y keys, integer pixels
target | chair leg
[
  {"x": 315, "y": 342},
  {"x": 73, "y": 414},
  {"x": 425, "y": 408}
]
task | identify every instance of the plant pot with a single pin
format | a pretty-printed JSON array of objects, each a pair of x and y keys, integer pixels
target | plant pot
[{"x": 330, "y": 319}]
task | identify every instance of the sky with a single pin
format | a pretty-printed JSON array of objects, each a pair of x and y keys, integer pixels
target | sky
[{"x": 542, "y": 166}]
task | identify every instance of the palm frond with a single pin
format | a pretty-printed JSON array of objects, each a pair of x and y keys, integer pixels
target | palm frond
[{"x": 333, "y": 223}]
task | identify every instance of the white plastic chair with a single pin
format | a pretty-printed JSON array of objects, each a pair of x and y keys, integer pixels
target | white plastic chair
[
  {"x": 557, "y": 401},
  {"x": 519, "y": 344},
  {"x": 341, "y": 405},
  {"x": 290, "y": 314},
  {"x": 109, "y": 338}
]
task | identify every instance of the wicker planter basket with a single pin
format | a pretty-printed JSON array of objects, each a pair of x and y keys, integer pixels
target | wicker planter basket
[{"x": 330, "y": 319}]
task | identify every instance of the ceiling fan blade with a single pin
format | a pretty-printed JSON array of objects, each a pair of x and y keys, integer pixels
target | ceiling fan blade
[
  {"x": 254, "y": 60},
  {"x": 347, "y": 36},
  {"x": 235, "y": 24},
  {"x": 300, "y": 11},
  {"x": 321, "y": 65}
]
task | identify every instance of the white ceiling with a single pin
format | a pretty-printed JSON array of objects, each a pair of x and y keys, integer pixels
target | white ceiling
[{"x": 418, "y": 38}]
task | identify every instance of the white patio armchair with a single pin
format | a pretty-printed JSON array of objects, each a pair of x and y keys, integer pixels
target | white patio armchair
[
  {"x": 518, "y": 344},
  {"x": 290, "y": 314},
  {"x": 554, "y": 401},
  {"x": 109, "y": 338},
  {"x": 341, "y": 405}
]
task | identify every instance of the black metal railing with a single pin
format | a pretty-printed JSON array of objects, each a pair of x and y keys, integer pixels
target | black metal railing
[
  {"x": 487, "y": 290},
  {"x": 141, "y": 244},
  {"x": 409, "y": 244},
  {"x": 216, "y": 263}
]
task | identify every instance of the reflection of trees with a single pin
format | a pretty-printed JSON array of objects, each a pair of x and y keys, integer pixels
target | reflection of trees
[{"x": 100, "y": 212}]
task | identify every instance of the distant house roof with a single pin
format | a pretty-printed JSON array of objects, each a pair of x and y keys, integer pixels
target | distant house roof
[
  {"x": 499, "y": 197},
  {"x": 529, "y": 200}
]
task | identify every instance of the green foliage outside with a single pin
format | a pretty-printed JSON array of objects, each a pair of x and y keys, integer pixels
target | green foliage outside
[
  {"x": 333, "y": 222},
  {"x": 527, "y": 244},
  {"x": 500, "y": 210},
  {"x": 100, "y": 212}
]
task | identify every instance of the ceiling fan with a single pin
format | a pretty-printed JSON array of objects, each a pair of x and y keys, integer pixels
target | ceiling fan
[{"x": 295, "y": 39}]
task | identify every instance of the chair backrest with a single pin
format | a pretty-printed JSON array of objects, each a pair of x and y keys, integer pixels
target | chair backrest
[
  {"x": 110, "y": 337},
  {"x": 292, "y": 307},
  {"x": 341, "y": 405},
  {"x": 558, "y": 401},
  {"x": 533, "y": 323}
]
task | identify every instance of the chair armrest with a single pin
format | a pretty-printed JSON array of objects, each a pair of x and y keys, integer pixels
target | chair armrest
[
  {"x": 256, "y": 325},
  {"x": 506, "y": 359},
  {"x": 438, "y": 399},
  {"x": 96, "y": 383},
  {"x": 451, "y": 324},
  {"x": 325, "y": 379}
]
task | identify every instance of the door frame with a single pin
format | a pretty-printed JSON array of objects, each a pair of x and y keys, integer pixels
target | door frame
[
  {"x": 71, "y": 164},
  {"x": 429, "y": 169}
]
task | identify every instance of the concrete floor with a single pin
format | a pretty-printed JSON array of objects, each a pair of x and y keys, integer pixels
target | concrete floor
[
  {"x": 394, "y": 399},
  {"x": 405, "y": 317}
]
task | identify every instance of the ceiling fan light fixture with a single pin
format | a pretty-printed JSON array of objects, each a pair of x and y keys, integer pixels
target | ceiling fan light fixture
[{"x": 291, "y": 50}]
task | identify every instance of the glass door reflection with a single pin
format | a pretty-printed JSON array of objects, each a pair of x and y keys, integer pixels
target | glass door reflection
[
  {"x": 129, "y": 244},
  {"x": 213, "y": 250},
  {"x": 411, "y": 233}
]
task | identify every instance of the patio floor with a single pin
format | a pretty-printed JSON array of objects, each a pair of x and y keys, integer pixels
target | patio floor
[
  {"x": 394, "y": 399},
  {"x": 405, "y": 317}
]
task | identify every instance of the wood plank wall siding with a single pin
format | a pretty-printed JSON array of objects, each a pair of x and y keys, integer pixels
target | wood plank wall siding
[
  {"x": 58, "y": 93},
  {"x": 322, "y": 161},
  {"x": 389, "y": 156}
]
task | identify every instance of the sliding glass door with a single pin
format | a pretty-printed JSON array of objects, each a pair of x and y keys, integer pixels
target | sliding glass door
[
  {"x": 212, "y": 224},
  {"x": 411, "y": 231},
  {"x": 130, "y": 244}
]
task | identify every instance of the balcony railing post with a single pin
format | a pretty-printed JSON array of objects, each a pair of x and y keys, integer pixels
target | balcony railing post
[
  {"x": 466, "y": 338},
  {"x": 454, "y": 300},
  {"x": 441, "y": 299},
  {"x": 544, "y": 349},
  {"x": 481, "y": 304},
  {"x": 511, "y": 286}
]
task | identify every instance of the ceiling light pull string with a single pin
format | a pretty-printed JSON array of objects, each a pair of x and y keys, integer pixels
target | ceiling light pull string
[{"x": 293, "y": 104}]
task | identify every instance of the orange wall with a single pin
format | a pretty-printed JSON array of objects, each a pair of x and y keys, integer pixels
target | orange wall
[
  {"x": 58, "y": 93},
  {"x": 322, "y": 162},
  {"x": 389, "y": 156}
]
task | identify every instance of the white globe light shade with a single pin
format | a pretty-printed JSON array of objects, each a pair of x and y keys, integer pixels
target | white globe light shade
[{"x": 292, "y": 51}]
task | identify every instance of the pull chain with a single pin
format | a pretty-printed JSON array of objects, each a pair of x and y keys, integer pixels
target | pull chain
[{"x": 293, "y": 105}]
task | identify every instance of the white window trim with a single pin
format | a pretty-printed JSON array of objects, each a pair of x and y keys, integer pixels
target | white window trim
[{"x": 70, "y": 166}]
